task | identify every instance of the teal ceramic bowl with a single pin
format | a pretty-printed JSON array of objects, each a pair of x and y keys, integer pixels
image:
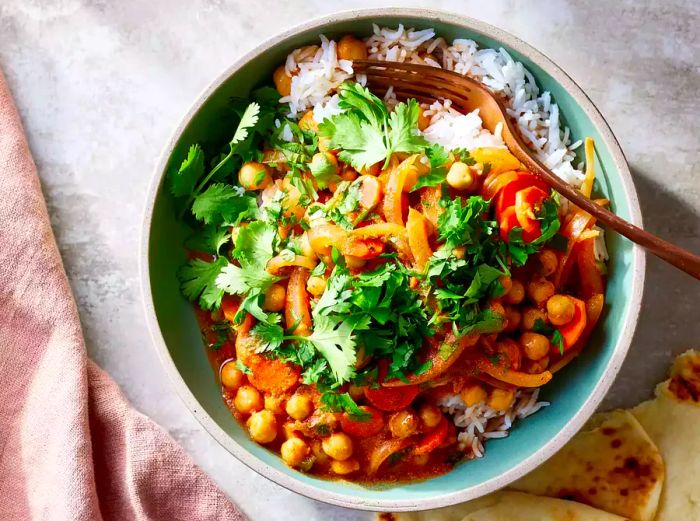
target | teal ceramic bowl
[{"x": 574, "y": 393}]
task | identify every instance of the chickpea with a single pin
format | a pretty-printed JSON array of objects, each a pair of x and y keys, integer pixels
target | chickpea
[
  {"x": 248, "y": 399},
  {"x": 501, "y": 399},
  {"x": 283, "y": 82},
  {"x": 325, "y": 160},
  {"x": 403, "y": 424},
  {"x": 423, "y": 120},
  {"x": 430, "y": 415},
  {"x": 509, "y": 351},
  {"x": 317, "y": 450},
  {"x": 345, "y": 467},
  {"x": 560, "y": 310},
  {"x": 516, "y": 293},
  {"x": 307, "y": 122},
  {"x": 275, "y": 159},
  {"x": 274, "y": 403},
  {"x": 506, "y": 283},
  {"x": 537, "y": 366},
  {"x": 548, "y": 262},
  {"x": 350, "y": 48},
  {"x": 274, "y": 298},
  {"x": 231, "y": 377},
  {"x": 459, "y": 251},
  {"x": 497, "y": 307},
  {"x": 513, "y": 319},
  {"x": 262, "y": 426},
  {"x": 531, "y": 316},
  {"x": 338, "y": 446},
  {"x": 254, "y": 176},
  {"x": 539, "y": 290},
  {"x": 459, "y": 176},
  {"x": 316, "y": 286},
  {"x": 534, "y": 345},
  {"x": 421, "y": 459},
  {"x": 354, "y": 263},
  {"x": 473, "y": 394},
  {"x": 294, "y": 451},
  {"x": 299, "y": 406}
]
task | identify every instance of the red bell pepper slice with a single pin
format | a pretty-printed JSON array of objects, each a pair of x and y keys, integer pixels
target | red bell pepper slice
[
  {"x": 363, "y": 427},
  {"x": 433, "y": 439}
]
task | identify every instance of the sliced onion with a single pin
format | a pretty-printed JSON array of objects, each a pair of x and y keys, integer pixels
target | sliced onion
[
  {"x": 382, "y": 451},
  {"x": 574, "y": 227}
]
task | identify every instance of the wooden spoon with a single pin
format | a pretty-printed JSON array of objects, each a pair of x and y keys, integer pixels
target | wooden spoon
[{"x": 427, "y": 84}]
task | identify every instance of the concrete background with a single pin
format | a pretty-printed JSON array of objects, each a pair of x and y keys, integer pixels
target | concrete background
[{"x": 101, "y": 84}]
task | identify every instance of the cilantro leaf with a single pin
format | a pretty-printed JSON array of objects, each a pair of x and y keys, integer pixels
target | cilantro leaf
[
  {"x": 339, "y": 402},
  {"x": 438, "y": 157},
  {"x": 366, "y": 133},
  {"x": 404, "y": 135},
  {"x": 183, "y": 180},
  {"x": 558, "y": 340},
  {"x": 209, "y": 239},
  {"x": 333, "y": 338},
  {"x": 254, "y": 248},
  {"x": 198, "y": 281},
  {"x": 222, "y": 203}
]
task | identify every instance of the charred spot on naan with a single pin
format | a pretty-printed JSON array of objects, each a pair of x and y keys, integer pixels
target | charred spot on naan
[{"x": 685, "y": 377}]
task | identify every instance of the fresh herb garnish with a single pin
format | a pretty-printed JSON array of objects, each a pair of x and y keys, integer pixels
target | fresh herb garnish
[{"x": 366, "y": 133}]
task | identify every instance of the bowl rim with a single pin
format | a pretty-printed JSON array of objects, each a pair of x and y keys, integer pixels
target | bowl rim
[{"x": 289, "y": 481}]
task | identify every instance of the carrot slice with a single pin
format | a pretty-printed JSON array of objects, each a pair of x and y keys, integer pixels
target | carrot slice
[
  {"x": 417, "y": 228},
  {"x": 573, "y": 330},
  {"x": 229, "y": 307},
  {"x": 296, "y": 311}
]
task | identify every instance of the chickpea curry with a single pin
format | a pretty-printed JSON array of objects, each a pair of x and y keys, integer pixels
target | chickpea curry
[{"x": 350, "y": 276}]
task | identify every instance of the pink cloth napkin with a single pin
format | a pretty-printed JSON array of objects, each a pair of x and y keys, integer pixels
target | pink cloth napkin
[{"x": 71, "y": 446}]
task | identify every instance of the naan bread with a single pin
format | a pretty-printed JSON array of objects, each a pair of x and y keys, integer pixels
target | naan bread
[
  {"x": 611, "y": 464},
  {"x": 509, "y": 506},
  {"x": 672, "y": 420}
]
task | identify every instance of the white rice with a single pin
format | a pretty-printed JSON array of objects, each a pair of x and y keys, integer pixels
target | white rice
[{"x": 480, "y": 422}]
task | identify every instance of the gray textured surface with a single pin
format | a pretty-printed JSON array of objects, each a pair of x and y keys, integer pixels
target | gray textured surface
[{"x": 100, "y": 85}]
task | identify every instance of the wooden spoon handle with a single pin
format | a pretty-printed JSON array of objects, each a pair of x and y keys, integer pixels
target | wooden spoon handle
[{"x": 678, "y": 257}]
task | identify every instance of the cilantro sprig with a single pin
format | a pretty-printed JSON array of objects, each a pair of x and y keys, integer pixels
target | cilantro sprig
[{"x": 366, "y": 133}]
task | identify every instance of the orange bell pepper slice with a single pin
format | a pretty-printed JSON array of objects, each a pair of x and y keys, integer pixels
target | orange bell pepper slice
[
  {"x": 430, "y": 203},
  {"x": 572, "y": 331},
  {"x": 370, "y": 192},
  {"x": 297, "y": 311},
  {"x": 393, "y": 193},
  {"x": 590, "y": 278},
  {"x": 276, "y": 264},
  {"x": 417, "y": 228},
  {"x": 509, "y": 376}
]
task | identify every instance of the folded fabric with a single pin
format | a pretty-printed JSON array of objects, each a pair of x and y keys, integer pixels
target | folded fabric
[{"x": 71, "y": 446}]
